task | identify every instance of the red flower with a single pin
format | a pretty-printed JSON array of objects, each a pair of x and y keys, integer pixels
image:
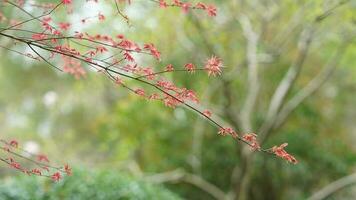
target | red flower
[
  {"x": 101, "y": 17},
  {"x": 189, "y": 95},
  {"x": 45, "y": 168},
  {"x": 15, "y": 165},
  {"x": 118, "y": 81},
  {"x": 68, "y": 170},
  {"x": 56, "y": 32},
  {"x": 149, "y": 73},
  {"x": 39, "y": 36},
  {"x": 73, "y": 67},
  {"x": 47, "y": 19},
  {"x": 162, "y": 4},
  {"x": 126, "y": 44},
  {"x": 171, "y": 102},
  {"x": 200, "y": 5},
  {"x": 65, "y": 2},
  {"x": 213, "y": 66},
  {"x": 207, "y": 113},
  {"x": 185, "y": 7},
  {"x": 169, "y": 68},
  {"x": 190, "y": 67},
  {"x": 222, "y": 132},
  {"x": 42, "y": 157},
  {"x": 177, "y": 3},
  {"x": 252, "y": 140},
  {"x": 128, "y": 57},
  {"x": 14, "y": 143},
  {"x": 64, "y": 26},
  {"x": 101, "y": 49},
  {"x": 56, "y": 176},
  {"x": 212, "y": 11},
  {"x": 140, "y": 92},
  {"x": 280, "y": 152},
  {"x": 153, "y": 96},
  {"x": 120, "y": 36},
  {"x": 165, "y": 84},
  {"x": 249, "y": 137},
  {"x": 227, "y": 131},
  {"x": 155, "y": 53},
  {"x": 36, "y": 172}
]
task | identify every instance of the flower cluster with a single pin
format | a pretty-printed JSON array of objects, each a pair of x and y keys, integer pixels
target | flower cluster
[
  {"x": 66, "y": 2},
  {"x": 224, "y": 131},
  {"x": 282, "y": 153},
  {"x": 251, "y": 139},
  {"x": 29, "y": 163}
]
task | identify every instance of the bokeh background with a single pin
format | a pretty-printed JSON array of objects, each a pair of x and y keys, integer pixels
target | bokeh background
[{"x": 123, "y": 147}]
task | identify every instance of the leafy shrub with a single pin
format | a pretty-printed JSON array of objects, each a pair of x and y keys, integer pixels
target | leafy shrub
[{"x": 82, "y": 185}]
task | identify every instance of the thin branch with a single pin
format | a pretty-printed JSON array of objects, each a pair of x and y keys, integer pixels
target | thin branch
[
  {"x": 33, "y": 17},
  {"x": 334, "y": 187},
  {"x": 45, "y": 60},
  {"x": 180, "y": 175}
]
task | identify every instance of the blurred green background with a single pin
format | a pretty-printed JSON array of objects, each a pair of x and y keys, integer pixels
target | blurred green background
[{"x": 124, "y": 147}]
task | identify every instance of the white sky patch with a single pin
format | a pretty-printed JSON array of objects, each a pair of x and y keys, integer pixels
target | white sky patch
[
  {"x": 16, "y": 120},
  {"x": 49, "y": 98},
  {"x": 28, "y": 104},
  {"x": 28, "y": 6},
  {"x": 67, "y": 106},
  {"x": 151, "y": 23},
  {"x": 32, "y": 147},
  {"x": 44, "y": 129},
  {"x": 136, "y": 12},
  {"x": 89, "y": 9}
]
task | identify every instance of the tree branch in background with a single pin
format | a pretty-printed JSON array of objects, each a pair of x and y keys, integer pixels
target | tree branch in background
[
  {"x": 286, "y": 83},
  {"x": 252, "y": 65},
  {"x": 292, "y": 74},
  {"x": 179, "y": 175},
  {"x": 194, "y": 158},
  {"x": 311, "y": 87},
  {"x": 334, "y": 187},
  {"x": 230, "y": 110}
]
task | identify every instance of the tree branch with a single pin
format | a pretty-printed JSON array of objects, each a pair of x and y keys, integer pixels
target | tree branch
[
  {"x": 311, "y": 87},
  {"x": 253, "y": 82},
  {"x": 333, "y": 187},
  {"x": 180, "y": 175},
  {"x": 292, "y": 74},
  {"x": 287, "y": 82}
]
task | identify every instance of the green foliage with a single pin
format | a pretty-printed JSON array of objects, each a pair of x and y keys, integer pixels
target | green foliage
[{"x": 99, "y": 185}]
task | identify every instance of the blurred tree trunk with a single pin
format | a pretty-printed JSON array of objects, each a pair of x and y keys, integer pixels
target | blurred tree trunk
[{"x": 243, "y": 187}]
